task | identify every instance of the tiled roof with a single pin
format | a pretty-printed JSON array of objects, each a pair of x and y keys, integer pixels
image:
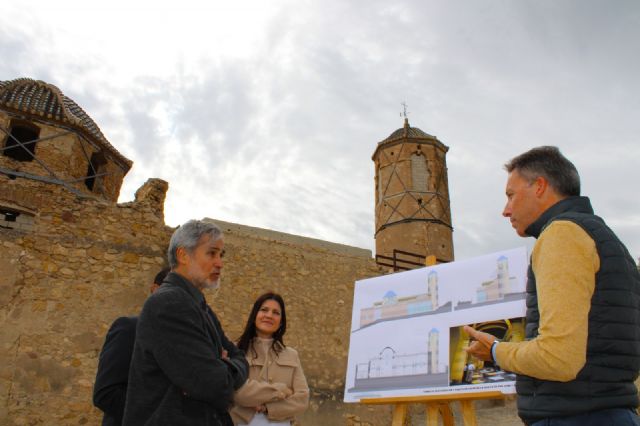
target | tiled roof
[
  {"x": 46, "y": 102},
  {"x": 408, "y": 132}
]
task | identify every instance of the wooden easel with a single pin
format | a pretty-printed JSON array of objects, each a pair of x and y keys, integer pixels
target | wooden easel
[{"x": 436, "y": 406}]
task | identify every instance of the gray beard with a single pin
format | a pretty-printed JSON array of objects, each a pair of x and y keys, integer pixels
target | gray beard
[{"x": 213, "y": 286}]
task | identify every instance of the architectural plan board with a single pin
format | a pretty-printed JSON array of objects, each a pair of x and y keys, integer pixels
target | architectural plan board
[{"x": 407, "y": 335}]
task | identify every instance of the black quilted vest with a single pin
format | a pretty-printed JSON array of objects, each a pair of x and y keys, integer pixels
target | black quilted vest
[{"x": 613, "y": 344}]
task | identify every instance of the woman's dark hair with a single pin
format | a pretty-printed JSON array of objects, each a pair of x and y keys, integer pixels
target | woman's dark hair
[{"x": 246, "y": 339}]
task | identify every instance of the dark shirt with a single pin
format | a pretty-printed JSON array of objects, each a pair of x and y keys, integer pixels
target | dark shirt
[
  {"x": 177, "y": 375},
  {"x": 110, "y": 388}
]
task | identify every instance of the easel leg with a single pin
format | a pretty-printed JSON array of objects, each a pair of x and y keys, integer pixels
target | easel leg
[
  {"x": 432, "y": 413},
  {"x": 447, "y": 414},
  {"x": 399, "y": 414},
  {"x": 468, "y": 413}
]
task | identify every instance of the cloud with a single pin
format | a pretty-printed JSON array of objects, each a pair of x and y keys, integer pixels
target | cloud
[{"x": 268, "y": 115}]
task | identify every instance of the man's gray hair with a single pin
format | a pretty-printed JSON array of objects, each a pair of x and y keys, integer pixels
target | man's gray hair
[
  {"x": 548, "y": 162},
  {"x": 188, "y": 236}
]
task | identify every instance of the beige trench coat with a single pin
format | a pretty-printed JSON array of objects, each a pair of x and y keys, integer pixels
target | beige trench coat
[{"x": 280, "y": 385}]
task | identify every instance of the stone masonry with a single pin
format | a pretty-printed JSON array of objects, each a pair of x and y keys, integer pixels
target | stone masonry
[{"x": 84, "y": 263}]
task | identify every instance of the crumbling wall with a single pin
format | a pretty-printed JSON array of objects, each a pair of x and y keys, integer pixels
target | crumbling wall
[{"x": 83, "y": 263}]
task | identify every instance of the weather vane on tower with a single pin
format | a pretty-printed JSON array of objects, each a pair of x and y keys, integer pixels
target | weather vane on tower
[{"x": 404, "y": 112}]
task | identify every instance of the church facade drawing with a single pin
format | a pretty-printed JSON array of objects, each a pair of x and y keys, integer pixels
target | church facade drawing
[
  {"x": 502, "y": 288},
  {"x": 394, "y": 307},
  {"x": 391, "y": 369}
]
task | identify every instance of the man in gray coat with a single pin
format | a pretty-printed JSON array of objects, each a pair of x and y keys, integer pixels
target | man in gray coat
[{"x": 184, "y": 370}]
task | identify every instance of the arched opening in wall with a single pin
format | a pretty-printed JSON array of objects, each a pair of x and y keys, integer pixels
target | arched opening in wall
[
  {"x": 419, "y": 173},
  {"x": 96, "y": 165},
  {"x": 20, "y": 143}
]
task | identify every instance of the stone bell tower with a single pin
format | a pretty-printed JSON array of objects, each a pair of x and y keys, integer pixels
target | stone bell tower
[{"x": 412, "y": 207}]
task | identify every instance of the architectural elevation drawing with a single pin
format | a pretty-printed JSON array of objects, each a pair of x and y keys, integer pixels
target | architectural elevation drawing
[
  {"x": 403, "y": 326},
  {"x": 501, "y": 288},
  {"x": 393, "y": 307},
  {"x": 392, "y": 370}
]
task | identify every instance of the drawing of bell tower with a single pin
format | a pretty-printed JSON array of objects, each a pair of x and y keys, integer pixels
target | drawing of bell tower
[
  {"x": 432, "y": 285},
  {"x": 432, "y": 352},
  {"x": 412, "y": 209}
]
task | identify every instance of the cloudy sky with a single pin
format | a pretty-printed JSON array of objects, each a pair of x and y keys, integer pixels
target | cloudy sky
[{"x": 266, "y": 113}]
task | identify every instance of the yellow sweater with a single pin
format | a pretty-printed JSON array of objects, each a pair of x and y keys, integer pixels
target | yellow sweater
[{"x": 564, "y": 261}]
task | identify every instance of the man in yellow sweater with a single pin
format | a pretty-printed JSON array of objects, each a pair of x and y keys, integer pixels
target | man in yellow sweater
[{"x": 582, "y": 353}]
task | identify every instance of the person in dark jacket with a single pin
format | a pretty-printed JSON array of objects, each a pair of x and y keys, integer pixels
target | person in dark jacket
[
  {"x": 184, "y": 370},
  {"x": 110, "y": 388},
  {"x": 582, "y": 353}
]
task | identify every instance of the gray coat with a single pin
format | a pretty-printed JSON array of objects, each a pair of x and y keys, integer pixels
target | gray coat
[{"x": 177, "y": 375}]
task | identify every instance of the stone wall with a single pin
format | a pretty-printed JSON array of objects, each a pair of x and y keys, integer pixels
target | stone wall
[
  {"x": 86, "y": 262},
  {"x": 62, "y": 283}
]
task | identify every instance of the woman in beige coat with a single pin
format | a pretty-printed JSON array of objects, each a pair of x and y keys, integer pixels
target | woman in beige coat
[{"x": 276, "y": 390}]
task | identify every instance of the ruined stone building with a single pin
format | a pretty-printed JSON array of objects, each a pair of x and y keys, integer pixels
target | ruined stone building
[{"x": 72, "y": 259}]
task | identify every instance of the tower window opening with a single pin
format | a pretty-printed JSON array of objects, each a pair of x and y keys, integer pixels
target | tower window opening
[
  {"x": 21, "y": 142},
  {"x": 10, "y": 216},
  {"x": 96, "y": 164},
  {"x": 419, "y": 173}
]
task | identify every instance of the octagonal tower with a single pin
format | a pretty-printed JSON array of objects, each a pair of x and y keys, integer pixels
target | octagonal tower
[{"x": 412, "y": 209}]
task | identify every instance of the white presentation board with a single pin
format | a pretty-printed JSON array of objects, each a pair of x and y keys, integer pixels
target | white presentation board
[{"x": 406, "y": 328}]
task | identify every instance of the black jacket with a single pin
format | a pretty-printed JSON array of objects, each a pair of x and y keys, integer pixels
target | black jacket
[
  {"x": 613, "y": 343},
  {"x": 110, "y": 388},
  {"x": 177, "y": 374}
]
